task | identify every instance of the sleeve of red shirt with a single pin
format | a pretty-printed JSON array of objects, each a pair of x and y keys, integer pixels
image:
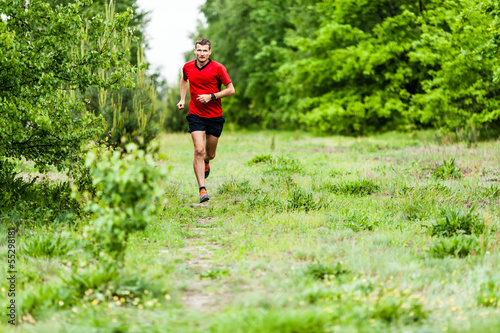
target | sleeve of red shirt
[
  {"x": 184, "y": 75},
  {"x": 223, "y": 76}
]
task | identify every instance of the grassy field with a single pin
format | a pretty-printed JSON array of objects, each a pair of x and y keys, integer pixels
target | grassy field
[{"x": 390, "y": 233}]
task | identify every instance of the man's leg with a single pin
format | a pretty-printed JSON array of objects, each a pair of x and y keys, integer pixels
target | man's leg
[
  {"x": 211, "y": 147},
  {"x": 199, "y": 155}
]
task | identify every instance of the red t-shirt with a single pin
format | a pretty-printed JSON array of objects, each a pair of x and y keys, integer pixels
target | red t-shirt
[{"x": 205, "y": 80}]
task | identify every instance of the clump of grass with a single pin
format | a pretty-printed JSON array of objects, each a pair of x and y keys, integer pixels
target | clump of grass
[
  {"x": 321, "y": 271},
  {"x": 396, "y": 307},
  {"x": 357, "y": 222},
  {"x": 456, "y": 246},
  {"x": 44, "y": 245},
  {"x": 489, "y": 294},
  {"x": 283, "y": 165},
  {"x": 215, "y": 273},
  {"x": 234, "y": 186},
  {"x": 447, "y": 170},
  {"x": 358, "y": 187},
  {"x": 260, "y": 200},
  {"x": 260, "y": 159},
  {"x": 302, "y": 199},
  {"x": 455, "y": 222}
]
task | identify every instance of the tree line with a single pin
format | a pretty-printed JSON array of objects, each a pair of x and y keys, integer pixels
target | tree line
[{"x": 357, "y": 67}]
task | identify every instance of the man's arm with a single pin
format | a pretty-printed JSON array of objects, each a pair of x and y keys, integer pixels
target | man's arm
[
  {"x": 184, "y": 88},
  {"x": 224, "y": 93}
]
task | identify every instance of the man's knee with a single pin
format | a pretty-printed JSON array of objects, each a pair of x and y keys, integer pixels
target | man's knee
[
  {"x": 199, "y": 152},
  {"x": 211, "y": 155}
]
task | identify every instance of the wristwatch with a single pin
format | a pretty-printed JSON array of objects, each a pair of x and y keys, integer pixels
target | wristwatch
[{"x": 213, "y": 97}]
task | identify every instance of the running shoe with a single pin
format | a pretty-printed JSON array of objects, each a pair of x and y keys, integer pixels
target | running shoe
[
  {"x": 207, "y": 169},
  {"x": 203, "y": 195}
]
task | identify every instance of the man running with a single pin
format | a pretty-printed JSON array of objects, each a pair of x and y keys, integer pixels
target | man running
[{"x": 205, "y": 118}]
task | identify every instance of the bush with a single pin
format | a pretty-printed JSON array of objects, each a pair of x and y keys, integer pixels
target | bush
[{"x": 126, "y": 200}]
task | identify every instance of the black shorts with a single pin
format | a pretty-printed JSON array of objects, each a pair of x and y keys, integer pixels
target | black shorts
[{"x": 211, "y": 126}]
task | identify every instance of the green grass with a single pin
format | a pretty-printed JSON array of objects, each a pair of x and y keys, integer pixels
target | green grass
[{"x": 389, "y": 233}]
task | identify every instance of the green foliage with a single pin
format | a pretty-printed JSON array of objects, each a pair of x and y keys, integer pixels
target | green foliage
[
  {"x": 344, "y": 67},
  {"x": 51, "y": 54},
  {"x": 489, "y": 294},
  {"x": 260, "y": 159},
  {"x": 234, "y": 186},
  {"x": 392, "y": 308},
  {"x": 358, "y": 221},
  {"x": 455, "y": 246},
  {"x": 302, "y": 200},
  {"x": 447, "y": 170},
  {"x": 354, "y": 187},
  {"x": 41, "y": 244},
  {"x": 215, "y": 273},
  {"x": 321, "y": 271},
  {"x": 283, "y": 165},
  {"x": 457, "y": 222},
  {"x": 127, "y": 198}
]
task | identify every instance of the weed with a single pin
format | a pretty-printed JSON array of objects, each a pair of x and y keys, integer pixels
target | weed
[
  {"x": 489, "y": 294},
  {"x": 215, "y": 273},
  {"x": 283, "y": 165},
  {"x": 355, "y": 187},
  {"x": 455, "y": 222},
  {"x": 356, "y": 221},
  {"x": 40, "y": 244},
  {"x": 302, "y": 199},
  {"x": 260, "y": 159},
  {"x": 321, "y": 271},
  {"x": 447, "y": 170},
  {"x": 233, "y": 186},
  {"x": 456, "y": 246}
]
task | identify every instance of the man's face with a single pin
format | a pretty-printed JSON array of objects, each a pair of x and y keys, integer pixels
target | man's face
[{"x": 202, "y": 52}]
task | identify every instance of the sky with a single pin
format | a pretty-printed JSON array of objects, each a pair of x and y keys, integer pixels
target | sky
[{"x": 171, "y": 22}]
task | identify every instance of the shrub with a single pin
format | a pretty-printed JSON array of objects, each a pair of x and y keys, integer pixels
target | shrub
[
  {"x": 127, "y": 193},
  {"x": 455, "y": 222},
  {"x": 447, "y": 170}
]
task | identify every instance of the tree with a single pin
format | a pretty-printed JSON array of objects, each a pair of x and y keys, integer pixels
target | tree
[{"x": 47, "y": 57}]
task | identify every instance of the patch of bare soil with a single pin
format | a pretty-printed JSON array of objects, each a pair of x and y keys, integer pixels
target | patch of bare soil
[{"x": 197, "y": 296}]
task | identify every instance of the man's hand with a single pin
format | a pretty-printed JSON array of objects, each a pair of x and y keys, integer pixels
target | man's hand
[
  {"x": 180, "y": 105},
  {"x": 204, "y": 98}
]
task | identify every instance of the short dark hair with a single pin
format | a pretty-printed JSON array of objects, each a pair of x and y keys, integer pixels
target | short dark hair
[{"x": 204, "y": 41}]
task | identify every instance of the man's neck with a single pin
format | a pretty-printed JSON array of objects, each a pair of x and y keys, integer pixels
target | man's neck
[{"x": 201, "y": 64}]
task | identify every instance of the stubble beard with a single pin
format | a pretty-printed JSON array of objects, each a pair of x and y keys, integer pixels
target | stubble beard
[{"x": 200, "y": 62}]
